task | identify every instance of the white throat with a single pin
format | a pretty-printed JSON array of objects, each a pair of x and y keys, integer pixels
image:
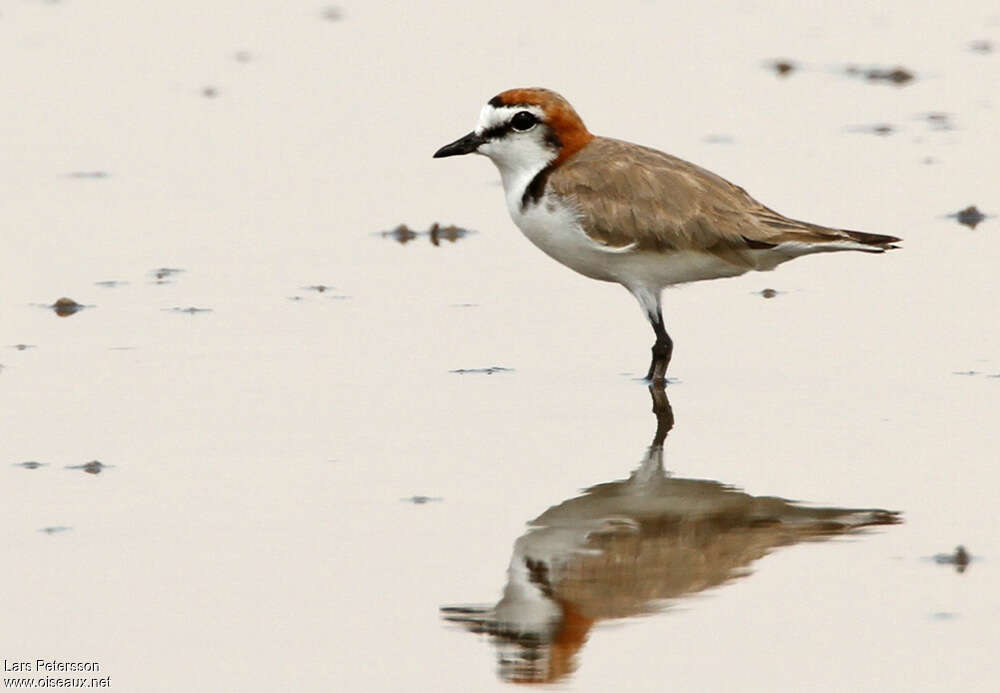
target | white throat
[
  {"x": 518, "y": 166},
  {"x": 519, "y": 156}
]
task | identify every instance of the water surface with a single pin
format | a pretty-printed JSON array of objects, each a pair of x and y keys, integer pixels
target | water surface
[{"x": 245, "y": 529}]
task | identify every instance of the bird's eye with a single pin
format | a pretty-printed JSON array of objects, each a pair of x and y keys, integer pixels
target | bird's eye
[{"x": 523, "y": 120}]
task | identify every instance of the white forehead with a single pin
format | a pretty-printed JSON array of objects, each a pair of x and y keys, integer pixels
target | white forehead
[{"x": 494, "y": 116}]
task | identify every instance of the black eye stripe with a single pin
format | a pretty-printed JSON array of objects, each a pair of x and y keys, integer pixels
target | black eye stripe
[{"x": 497, "y": 131}]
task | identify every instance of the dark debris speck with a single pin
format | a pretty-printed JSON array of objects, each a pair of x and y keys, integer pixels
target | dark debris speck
[
  {"x": 896, "y": 75},
  {"x": 163, "y": 274},
  {"x": 960, "y": 558},
  {"x": 401, "y": 233},
  {"x": 782, "y": 68},
  {"x": 436, "y": 233},
  {"x": 939, "y": 120},
  {"x": 325, "y": 289},
  {"x": 879, "y": 129},
  {"x": 65, "y": 307},
  {"x": 449, "y": 233},
  {"x": 482, "y": 371},
  {"x": 970, "y": 216},
  {"x": 92, "y": 467},
  {"x": 190, "y": 310},
  {"x": 55, "y": 529},
  {"x": 420, "y": 500}
]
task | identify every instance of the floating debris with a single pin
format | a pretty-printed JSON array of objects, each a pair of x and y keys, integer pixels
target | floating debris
[
  {"x": 91, "y": 175},
  {"x": 404, "y": 234},
  {"x": 449, "y": 233},
  {"x": 782, "y": 68},
  {"x": 64, "y": 307},
  {"x": 484, "y": 371},
  {"x": 190, "y": 310},
  {"x": 970, "y": 216},
  {"x": 111, "y": 283},
  {"x": 242, "y": 56},
  {"x": 960, "y": 558},
  {"x": 92, "y": 467},
  {"x": 420, "y": 500},
  {"x": 769, "y": 293},
  {"x": 55, "y": 530},
  {"x": 324, "y": 289},
  {"x": 880, "y": 129},
  {"x": 401, "y": 233},
  {"x": 938, "y": 121},
  {"x": 965, "y": 372},
  {"x": 163, "y": 274},
  {"x": 30, "y": 464},
  {"x": 22, "y": 347},
  {"x": 210, "y": 92},
  {"x": 894, "y": 75},
  {"x": 333, "y": 14},
  {"x": 981, "y": 46}
]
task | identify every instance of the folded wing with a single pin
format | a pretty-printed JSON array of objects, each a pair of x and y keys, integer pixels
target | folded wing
[{"x": 653, "y": 201}]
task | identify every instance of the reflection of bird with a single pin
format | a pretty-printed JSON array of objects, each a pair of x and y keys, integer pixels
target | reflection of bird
[
  {"x": 620, "y": 212},
  {"x": 623, "y": 547}
]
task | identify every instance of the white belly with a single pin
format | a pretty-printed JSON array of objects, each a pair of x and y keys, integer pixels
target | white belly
[{"x": 555, "y": 230}]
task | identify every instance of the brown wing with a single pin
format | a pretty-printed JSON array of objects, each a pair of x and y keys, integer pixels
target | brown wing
[{"x": 663, "y": 203}]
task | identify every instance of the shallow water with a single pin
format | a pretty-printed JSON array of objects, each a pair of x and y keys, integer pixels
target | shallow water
[{"x": 191, "y": 175}]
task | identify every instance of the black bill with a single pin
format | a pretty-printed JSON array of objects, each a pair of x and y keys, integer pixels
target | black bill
[{"x": 465, "y": 145}]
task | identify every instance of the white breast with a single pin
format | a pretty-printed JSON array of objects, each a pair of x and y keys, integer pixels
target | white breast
[{"x": 554, "y": 228}]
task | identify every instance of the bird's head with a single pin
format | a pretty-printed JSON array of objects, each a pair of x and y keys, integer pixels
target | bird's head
[{"x": 524, "y": 130}]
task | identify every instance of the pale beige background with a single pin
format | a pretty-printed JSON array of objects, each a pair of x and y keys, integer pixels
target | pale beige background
[{"x": 250, "y": 535}]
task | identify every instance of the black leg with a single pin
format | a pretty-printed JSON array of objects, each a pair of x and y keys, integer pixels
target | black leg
[{"x": 662, "y": 349}]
